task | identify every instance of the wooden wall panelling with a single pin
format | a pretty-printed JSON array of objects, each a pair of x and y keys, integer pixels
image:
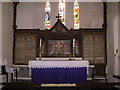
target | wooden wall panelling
[
  {"x": 99, "y": 48},
  {"x": 94, "y": 47},
  {"x": 30, "y": 47},
  {"x": 25, "y": 48},
  {"x": 19, "y": 55},
  {"x": 88, "y": 48}
]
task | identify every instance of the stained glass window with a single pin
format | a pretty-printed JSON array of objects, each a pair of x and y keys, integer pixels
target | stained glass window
[
  {"x": 62, "y": 10},
  {"x": 47, "y": 15},
  {"x": 76, "y": 14}
]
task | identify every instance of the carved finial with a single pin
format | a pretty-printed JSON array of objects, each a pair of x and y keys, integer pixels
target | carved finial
[{"x": 58, "y": 16}]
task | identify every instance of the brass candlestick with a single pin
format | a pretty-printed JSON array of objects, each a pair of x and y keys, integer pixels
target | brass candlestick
[
  {"x": 40, "y": 53},
  {"x": 70, "y": 57},
  {"x": 37, "y": 57},
  {"x": 73, "y": 53}
]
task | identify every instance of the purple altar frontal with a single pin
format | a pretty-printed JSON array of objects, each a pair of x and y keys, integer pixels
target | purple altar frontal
[{"x": 59, "y": 74}]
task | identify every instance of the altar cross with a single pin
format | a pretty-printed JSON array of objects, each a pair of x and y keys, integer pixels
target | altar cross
[{"x": 58, "y": 16}]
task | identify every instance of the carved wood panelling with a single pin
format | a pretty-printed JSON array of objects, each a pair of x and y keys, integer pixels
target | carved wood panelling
[
  {"x": 89, "y": 44},
  {"x": 88, "y": 48},
  {"x": 94, "y": 47},
  {"x": 99, "y": 48},
  {"x": 25, "y": 48}
]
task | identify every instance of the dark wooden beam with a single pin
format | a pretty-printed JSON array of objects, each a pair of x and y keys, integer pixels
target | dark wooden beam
[
  {"x": 14, "y": 24},
  {"x": 104, "y": 15},
  {"x": 105, "y": 26},
  {"x": 15, "y": 14}
]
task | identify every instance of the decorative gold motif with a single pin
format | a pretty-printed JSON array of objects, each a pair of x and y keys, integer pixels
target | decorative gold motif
[{"x": 59, "y": 47}]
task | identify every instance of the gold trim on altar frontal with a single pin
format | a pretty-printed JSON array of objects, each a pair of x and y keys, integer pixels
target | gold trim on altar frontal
[{"x": 58, "y": 84}]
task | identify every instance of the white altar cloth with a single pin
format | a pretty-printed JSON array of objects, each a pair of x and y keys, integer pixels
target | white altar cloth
[{"x": 61, "y": 64}]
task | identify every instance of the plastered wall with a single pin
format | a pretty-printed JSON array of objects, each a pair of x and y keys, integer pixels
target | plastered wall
[
  {"x": 32, "y": 14},
  {"x": 112, "y": 39},
  {"x": 0, "y": 30},
  {"x": 7, "y": 32}
]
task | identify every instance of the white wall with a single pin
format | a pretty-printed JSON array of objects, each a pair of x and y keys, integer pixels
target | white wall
[
  {"x": 0, "y": 37},
  {"x": 112, "y": 38},
  {"x": 0, "y": 30},
  {"x": 7, "y": 32},
  {"x": 32, "y": 14},
  {"x": 119, "y": 39}
]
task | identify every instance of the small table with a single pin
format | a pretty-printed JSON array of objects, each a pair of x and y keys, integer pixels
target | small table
[
  {"x": 9, "y": 70},
  {"x": 12, "y": 70}
]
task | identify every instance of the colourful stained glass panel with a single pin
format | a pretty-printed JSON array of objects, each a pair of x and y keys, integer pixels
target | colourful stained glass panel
[
  {"x": 62, "y": 10},
  {"x": 47, "y": 15},
  {"x": 76, "y": 15}
]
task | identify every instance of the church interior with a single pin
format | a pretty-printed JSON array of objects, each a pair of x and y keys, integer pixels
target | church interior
[{"x": 60, "y": 43}]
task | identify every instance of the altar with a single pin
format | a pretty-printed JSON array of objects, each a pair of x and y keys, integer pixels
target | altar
[{"x": 58, "y": 72}]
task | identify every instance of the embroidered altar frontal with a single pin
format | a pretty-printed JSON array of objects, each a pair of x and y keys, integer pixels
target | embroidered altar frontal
[{"x": 58, "y": 72}]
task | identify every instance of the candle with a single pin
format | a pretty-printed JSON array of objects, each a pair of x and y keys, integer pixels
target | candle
[
  {"x": 73, "y": 42},
  {"x": 40, "y": 42}
]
